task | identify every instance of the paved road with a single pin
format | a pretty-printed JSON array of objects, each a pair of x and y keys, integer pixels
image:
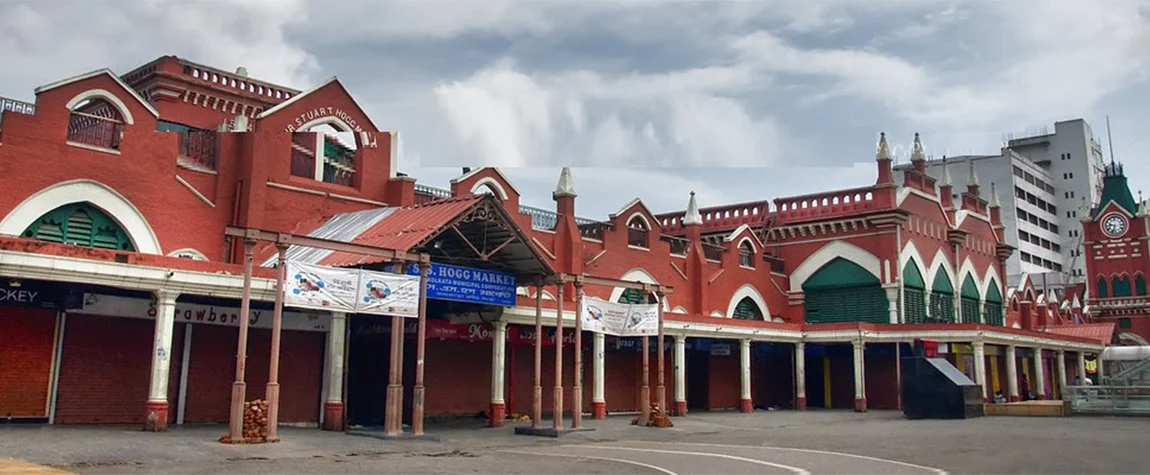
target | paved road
[{"x": 679, "y": 458}]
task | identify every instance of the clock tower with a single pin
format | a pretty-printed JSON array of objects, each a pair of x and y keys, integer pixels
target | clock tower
[{"x": 1117, "y": 248}]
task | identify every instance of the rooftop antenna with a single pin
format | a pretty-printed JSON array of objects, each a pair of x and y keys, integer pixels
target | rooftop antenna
[{"x": 1110, "y": 140}]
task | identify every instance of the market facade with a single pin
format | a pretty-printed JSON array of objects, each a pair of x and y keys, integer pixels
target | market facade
[{"x": 120, "y": 293}]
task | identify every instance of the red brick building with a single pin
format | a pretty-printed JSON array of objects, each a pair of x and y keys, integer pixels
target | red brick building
[{"x": 120, "y": 291}]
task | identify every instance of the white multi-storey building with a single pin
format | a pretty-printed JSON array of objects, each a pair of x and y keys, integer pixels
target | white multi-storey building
[{"x": 1055, "y": 179}]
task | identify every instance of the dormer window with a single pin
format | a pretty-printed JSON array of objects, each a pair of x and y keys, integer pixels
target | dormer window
[
  {"x": 746, "y": 254},
  {"x": 324, "y": 154},
  {"x": 96, "y": 123},
  {"x": 637, "y": 232}
]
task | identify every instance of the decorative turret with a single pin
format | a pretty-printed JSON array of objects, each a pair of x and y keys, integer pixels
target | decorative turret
[
  {"x": 945, "y": 189},
  {"x": 882, "y": 156},
  {"x": 1142, "y": 208},
  {"x": 692, "y": 216},
  {"x": 918, "y": 155},
  {"x": 564, "y": 194},
  {"x": 995, "y": 207},
  {"x": 972, "y": 181},
  {"x": 1116, "y": 190}
]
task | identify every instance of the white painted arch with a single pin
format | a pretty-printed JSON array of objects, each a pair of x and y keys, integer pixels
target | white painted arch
[
  {"x": 491, "y": 184},
  {"x": 333, "y": 121},
  {"x": 103, "y": 94},
  {"x": 754, "y": 248},
  {"x": 829, "y": 252},
  {"x": 189, "y": 253},
  {"x": 642, "y": 217},
  {"x": 748, "y": 291},
  {"x": 80, "y": 191},
  {"x": 637, "y": 275},
  {"x": 910, "y": 253},
  {"x": 968, "y": 269}
]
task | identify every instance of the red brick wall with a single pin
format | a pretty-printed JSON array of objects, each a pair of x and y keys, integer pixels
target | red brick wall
[
  {"x": 457, "y": 377},
  {"x": 525, "y": 377},
  {"x": 106, "y": 367},
  {"x": 27, "y": 339}
]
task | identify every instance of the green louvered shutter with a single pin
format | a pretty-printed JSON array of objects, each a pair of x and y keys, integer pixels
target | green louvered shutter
[
  {"x": 842, "y": 291},
  {"x": 914, "y": 291},
  {"x": 80, "y": 224},
  {"x": 942, "y": 298},
  {"x": 969, "y": 300},
  {"x": 993, "y": 307},
  {"x": 747, "y": 309}
]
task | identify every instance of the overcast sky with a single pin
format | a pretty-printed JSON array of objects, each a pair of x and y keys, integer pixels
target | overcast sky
[{"x": 739, "y": 100}]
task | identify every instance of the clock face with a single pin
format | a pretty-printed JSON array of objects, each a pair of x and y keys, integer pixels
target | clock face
[{"x": 1114, "y": 225}]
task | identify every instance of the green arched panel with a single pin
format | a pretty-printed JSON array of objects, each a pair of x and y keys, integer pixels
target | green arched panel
[
  {"x": 747, "y": 309},
  {"x": 911, "y": 277},
  {"x": 1139, "y": 285},
  {"x": 1120, "y": 286},
  {"x": 842, "y": 291},
  {"x": 635, "y": 296},
  {"x": 1101, "y": 288},
  {"x": 969, "y": 301},
  {"x": 992, "y": 292},
  {"x": 992, "y": 309},
  {"x": 942, "y": 284},
  {"x": 942, "y": 298},
  {"x": 80, "y": 224},
  {"x": 839, "y": 273}
]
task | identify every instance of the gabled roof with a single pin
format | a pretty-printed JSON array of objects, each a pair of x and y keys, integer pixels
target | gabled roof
[
  {"x": 298, "y": 97},
  {"x": 98, "y": 72},
  {"x": 649, "y": 216},
  {"x": 1116, "y": 190}
]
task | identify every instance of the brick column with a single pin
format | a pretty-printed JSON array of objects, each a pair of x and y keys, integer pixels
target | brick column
[
  {"x": 156, "y": 418},
  {"x": 333, "y": 395}
]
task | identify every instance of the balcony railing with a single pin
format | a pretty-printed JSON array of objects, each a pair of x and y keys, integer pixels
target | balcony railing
[
  {"x": 679, "y": 246},
  {"x": 94, "y": 130},
  {"x": 1108, "y": 399},
  {"x": 713, "y": 252},
  {"x": 14, "y": 105}
]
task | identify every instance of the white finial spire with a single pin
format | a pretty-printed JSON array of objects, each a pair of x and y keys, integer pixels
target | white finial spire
[
  {"x": 566, "y": 185},
  {"x": 917, "y": 153},
  {"x": 883, "y": 150},
  {"x": 692, "y": 216},
  {"x": 972, "y": 179},
  {"x": 994, "y": 203},
  {"x": 945, "y": 181}
]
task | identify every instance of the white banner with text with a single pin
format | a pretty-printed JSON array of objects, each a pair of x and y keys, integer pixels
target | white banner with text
[
  {"x": 351, "y": 290},
  {"x": 619, "y": 319}
]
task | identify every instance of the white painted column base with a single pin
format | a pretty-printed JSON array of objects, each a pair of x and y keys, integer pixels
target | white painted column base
[
  {"x": 598, "y": 376},
  {"x": 1012, "y": 372},
  {"x": 333, "y": 393},
  {"x": 800, "y": 376},
  {"x": 156, "y": 408},
  {"x": 980, "y": 368},
  {"x": 746, "y": 404},
  {"x": 680, "y": 355},
  {"x": 860, "y": 375}
]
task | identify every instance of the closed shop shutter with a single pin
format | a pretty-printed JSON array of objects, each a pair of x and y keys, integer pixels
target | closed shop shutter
[
  {"x": 27, "y": 339},
  {"x": 105, "y": 370}
]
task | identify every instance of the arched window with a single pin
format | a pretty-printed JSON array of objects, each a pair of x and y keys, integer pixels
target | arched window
[
  {"x": 97, "y": 123},
  {"x": 1101, "y": 288},
  {"x": 746, "y": 254},
  {"x": 80, "y": 224},
  {"x": 842, "y": 291},
  {"x": 942, "y": 298},
  {"x": 326, "y": 154},
  {"x": 637, "y": 232},
  {"x": 969, "y": 300},
  {"x": 747, "y": 309},
  {"x": 914, "y": 291},
  {"x": 993, "y": 307},
  {"x": 1120, "y": 286},
  {"x": 635, "y": 296},
  {"x": 1139, "y": 285}
]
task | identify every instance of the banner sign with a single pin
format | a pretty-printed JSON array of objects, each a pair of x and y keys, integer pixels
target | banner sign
[
  {"x": 465, "y": 284},
  {"x": 619, "y": 319},
  {"x": 351, "y": 290},
  {"x": 381, "y": 293},
  {"x": 116, "y": 306}
]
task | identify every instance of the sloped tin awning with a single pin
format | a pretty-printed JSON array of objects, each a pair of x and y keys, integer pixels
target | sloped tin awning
[
  {"x": 1103, "y": 333},
  {"x": 472, "y": 231}
]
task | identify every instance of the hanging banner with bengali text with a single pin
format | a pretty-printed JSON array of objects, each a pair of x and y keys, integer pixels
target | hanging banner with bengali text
[
  {"x": 321, "y": 287},
  {"x": 382, "y": 293},
  {"x": 619, "y": 319}
]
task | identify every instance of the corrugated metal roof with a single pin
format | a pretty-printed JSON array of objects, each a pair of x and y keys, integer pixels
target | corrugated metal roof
[
  {"x": 390, "y": 228},
  {"x": 341, "y": 227},
  {"x": 1101, "y": 332}
]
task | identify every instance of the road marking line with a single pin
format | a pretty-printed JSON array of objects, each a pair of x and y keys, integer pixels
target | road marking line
[
  {"x": 825, "y": 452},
  {"x": 795, "y": 470},
  {"x": 609, "y": 459}
]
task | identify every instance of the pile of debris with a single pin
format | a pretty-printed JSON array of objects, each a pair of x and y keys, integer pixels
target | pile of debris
[
  {"x": 658, "y": 418},
  {"x": 255, "y": 429},
  {"x": 516, "y": 417}
]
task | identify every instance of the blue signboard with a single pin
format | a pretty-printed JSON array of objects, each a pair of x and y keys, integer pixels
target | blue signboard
[{"x": 465, "y": 284}]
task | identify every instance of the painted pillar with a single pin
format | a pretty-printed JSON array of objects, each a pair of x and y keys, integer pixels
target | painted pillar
[
  {"x": 333, "y": 396},
  {"x": 498, "y": 413},
  {"x": 745, "y": 402},
  {"x": 1039, "y": 383},
  {"x": 156, "y": 408},
  {"x": 980, "y": 369},
  {"x": 1061, "y": 372},
  {"x": 860, "y": 375},
  {"x": 1082, "y": 368},
  {"x": 599, "y": 379},
  {"x": 892, "y": 292},
  {"x": 680, "y": 375},
  {"x": 800, "y": 376},
  {"x": 1012, "y": 372}
]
